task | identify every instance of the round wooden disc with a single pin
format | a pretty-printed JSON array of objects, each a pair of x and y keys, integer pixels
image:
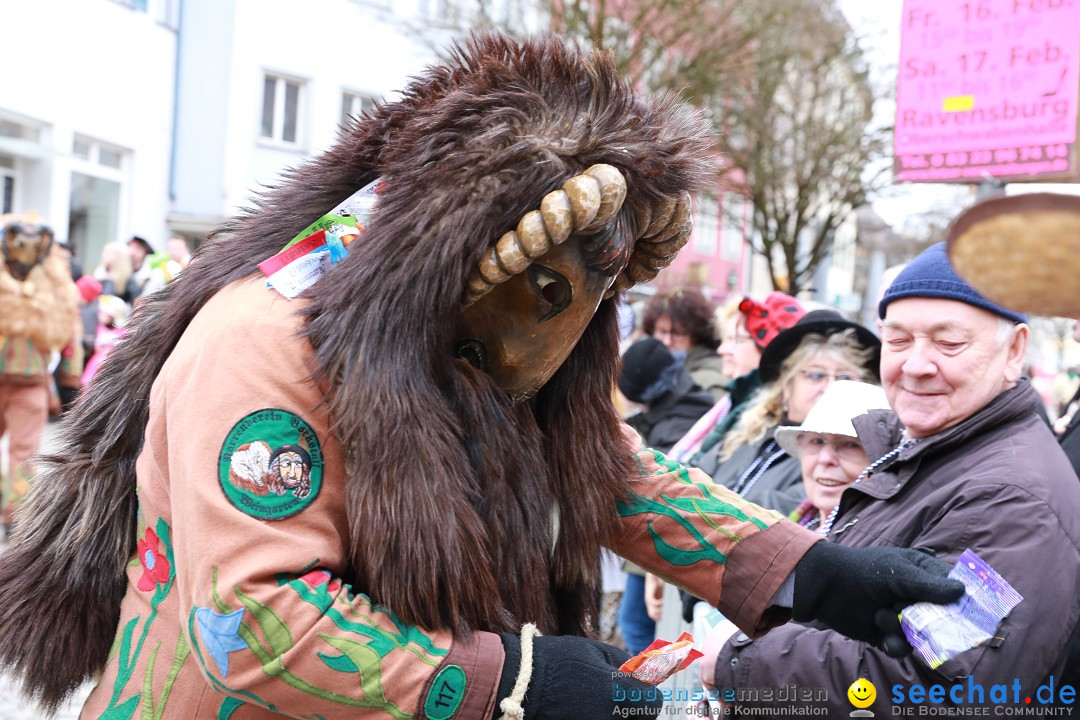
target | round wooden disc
[{"x": 1022, "y": 252}]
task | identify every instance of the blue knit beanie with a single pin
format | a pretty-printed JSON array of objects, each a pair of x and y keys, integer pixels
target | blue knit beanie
[{"x": 931, "y": 276}]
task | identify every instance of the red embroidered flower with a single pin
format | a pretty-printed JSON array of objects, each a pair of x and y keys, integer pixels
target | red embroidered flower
[
  {"x": 321, "y": 576},
  {"x": 155, "y": 564}
]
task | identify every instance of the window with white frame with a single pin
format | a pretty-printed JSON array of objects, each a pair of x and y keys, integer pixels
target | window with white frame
[
  {"x": 706, "y": 224},
  {"x": 7, "y": 192},
  {"x": 23, "y": 133},
  {"x": 7, "y": 184},
  {"x": 734, "y": 232},
  {"x": 98, "y": 178},
  {"x": 139, "y": 5},
  {"x": 19, "y": 131},
  {"x": 354, "y": 104},
  {"x": 96, "y": 152},
  {"x": 281, "y": 109}
]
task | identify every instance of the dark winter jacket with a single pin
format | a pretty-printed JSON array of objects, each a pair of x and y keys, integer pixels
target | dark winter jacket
[
  {"x": 670, "y": 416},
  {"x": 128, "y": 294},
  {"x": 1070, "y": 439},
  {"x": 996, "y": 483},
  {"x": 707, "y": 370}
]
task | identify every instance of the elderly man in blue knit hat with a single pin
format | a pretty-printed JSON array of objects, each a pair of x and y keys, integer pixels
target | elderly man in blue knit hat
[{"x": 961, "y": 462}]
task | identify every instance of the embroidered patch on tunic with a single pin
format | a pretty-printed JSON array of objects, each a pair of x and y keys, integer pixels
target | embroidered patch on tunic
[
  {"x": 446, "y": 693},
  {"x": 271, "y": 465}
]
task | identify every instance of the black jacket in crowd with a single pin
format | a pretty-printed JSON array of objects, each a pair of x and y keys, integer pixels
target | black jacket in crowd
[{"x": 667, "y": 418}]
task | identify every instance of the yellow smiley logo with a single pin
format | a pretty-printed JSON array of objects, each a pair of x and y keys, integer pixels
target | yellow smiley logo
[{"x": 862, "y": 693}]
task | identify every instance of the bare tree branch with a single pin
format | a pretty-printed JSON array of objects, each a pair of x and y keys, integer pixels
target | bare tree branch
[{"x": 787, "y": 88}]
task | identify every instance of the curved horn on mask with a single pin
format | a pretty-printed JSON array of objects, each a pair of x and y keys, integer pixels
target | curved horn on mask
[
  {"x": 667, "y": 228},
  {"x": 582, "y": 206}
]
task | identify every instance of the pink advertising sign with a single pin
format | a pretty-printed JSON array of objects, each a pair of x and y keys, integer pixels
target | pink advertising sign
[{"x": 987, "y": 87}]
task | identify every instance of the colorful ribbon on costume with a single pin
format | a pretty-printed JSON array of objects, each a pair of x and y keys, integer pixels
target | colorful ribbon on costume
[{"x": 322, "y": 244}]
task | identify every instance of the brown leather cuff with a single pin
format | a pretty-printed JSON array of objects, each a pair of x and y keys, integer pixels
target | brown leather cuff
[
  {"x": 464, "y": 685},
  {"x": 756, "y": 569}
]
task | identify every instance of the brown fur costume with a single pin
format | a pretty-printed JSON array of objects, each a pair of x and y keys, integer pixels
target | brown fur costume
[
  {"x": 42, "y": 306},
  {"x": 443, "y": 470}
]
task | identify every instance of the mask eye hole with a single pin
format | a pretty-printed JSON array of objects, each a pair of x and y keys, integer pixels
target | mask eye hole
[{"x": 552, "y": 288}]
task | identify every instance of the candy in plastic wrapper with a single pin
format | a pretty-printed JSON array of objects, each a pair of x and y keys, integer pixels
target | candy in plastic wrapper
[
  {"x": 941, "y": 632},
  {"x": 662, "y": 659}
]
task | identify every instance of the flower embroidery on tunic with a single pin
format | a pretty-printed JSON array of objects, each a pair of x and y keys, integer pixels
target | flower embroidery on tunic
[
  {"x": 154, "y": 563},
  {"x": 220, "y": 634},
  {"x": 321, "y": 576}
]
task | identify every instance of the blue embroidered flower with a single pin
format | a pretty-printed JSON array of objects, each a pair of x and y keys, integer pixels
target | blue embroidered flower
[{"x": 219, "y": 632}]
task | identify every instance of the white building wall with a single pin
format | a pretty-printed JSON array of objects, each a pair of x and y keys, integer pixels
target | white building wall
[
  {"x": 100, "y": 70},
  {"x": 203, "y": 108},
  {"x": 104, "y": 71},
  {"x": 332, "y": 46}
]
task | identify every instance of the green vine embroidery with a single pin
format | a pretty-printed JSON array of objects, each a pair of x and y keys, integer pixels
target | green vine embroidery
[
  {"x": 149, "y": 711},
  {"x": 679, "y": 510},
  {"x": 161, "y": 574},
  {"x": 158, "y": 570},
  {"x": 269, "y": 640},
  {"x": 407, "y": 637},
  {"x": 228, "y": 707},
  {"x": 217, "y": 684}
]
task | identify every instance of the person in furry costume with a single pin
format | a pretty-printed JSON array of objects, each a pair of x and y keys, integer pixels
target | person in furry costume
[
  {"x": 350, "y": 504},
  {"x": 38, "y": 314}
]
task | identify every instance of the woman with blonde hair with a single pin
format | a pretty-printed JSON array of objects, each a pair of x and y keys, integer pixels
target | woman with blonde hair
[
  {"x": 795, "y": 368},
  {"x": 116, "y": 273},
  {"x": 748, "y": 328}
]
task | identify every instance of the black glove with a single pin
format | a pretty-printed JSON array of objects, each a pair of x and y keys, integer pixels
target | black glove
[
  {"x": 688, "y": 603},
  {"x": 856, "y": 591},
  {"x": 574, "y": 678}
]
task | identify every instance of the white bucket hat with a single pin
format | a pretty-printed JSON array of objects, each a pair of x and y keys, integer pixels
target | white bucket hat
[
  {"x": 832, "y": 414},
  {"x": 116, "y": 308}
]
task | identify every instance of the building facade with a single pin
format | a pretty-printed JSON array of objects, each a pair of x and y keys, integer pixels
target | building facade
[
  {"x": 167, "y": 116},
  {"x": 265, "y": 84},
  {"x": 86, "y": 116}
]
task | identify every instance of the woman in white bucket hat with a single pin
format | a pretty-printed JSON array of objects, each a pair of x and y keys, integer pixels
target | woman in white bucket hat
[{"x": 829, "y": 451}]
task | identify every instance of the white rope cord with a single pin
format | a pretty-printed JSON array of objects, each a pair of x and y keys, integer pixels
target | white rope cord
[{"x": 511, "y": 705}]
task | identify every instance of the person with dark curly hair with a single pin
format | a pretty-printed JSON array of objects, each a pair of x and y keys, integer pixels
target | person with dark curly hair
[{"x": 684, "y": 321}]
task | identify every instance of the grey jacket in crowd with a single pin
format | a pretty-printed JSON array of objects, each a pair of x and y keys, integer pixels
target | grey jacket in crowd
[
  {"x": 779, "y": 487},
  {"x": 996, "y": 483}
]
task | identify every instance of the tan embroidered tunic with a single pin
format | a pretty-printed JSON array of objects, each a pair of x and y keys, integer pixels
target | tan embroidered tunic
[{"x": 235, "y": 608}]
